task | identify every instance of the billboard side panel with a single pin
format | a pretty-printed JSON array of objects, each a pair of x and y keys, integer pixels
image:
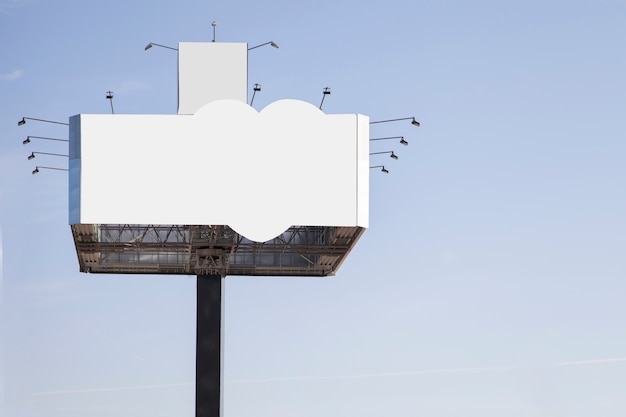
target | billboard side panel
[
  {"x": 74, "y": 170},
  {"x": 363, "y": 175}
]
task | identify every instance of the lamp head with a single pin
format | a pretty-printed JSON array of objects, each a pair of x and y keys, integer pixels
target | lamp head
[
  {"x": 415, "y": 122},
  {"x": 326, "y": 90},
  {"x": 404, "y": 142},
  {"x": 31, "y": 156},
  {"x": 382, "y": 168},
  {"x": 21, "y": 122},
  {"x": 274, "y": 44},
  {"x": 257, "y": 87},
  {"x": 148, "y": 46},
  {"x": 393, "y": 156},
  {"x": 36, "y": 170},
  {"x": 27, "y": 140}
]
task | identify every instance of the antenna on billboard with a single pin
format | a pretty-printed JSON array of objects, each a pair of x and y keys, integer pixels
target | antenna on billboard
[{"x": 214, "y": 24}]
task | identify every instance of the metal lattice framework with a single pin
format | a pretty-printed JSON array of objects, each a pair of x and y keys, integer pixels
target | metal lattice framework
[{"x": 205, "y": 250}]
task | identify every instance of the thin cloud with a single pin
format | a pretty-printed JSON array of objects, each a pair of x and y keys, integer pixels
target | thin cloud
[
  {"x": 326, "y": 378},
  {"x": 291, "y": 378},
  {"x": 377, "y": 375},
  {"x": 591, "y": 361},
  {"x": 131, "y": 388},
  {"x": 14, "y": 75}
]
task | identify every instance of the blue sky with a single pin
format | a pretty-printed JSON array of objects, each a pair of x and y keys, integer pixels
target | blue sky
[{"x": 491, "y": 279}]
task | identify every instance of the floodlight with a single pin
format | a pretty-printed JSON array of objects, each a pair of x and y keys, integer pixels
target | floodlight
[
  {"x": 32, "y": 155},
  {"x": 402, "y": 141},
  {"x": 27, "y": 140},
  {"x": 325, "y": 92},
  {"x": 412, "y": 119},
  {"x": 392, "y": 156},
  {"x": 263, "y": 44},
  {"x": 109, "y": 96},
  {"x": 37, "y": 168},
  {"x": 382, "y": 168},
  {"x": 257, "y": 87},
  {"x": 23, "y": 121},
  {"x": 151, "y": 44}
]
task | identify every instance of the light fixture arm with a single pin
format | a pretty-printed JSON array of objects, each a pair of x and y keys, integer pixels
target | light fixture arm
[
  {"x": 392, "y": 154},
  {"x": 325, "y": 92},
  {"x": 382, "y": 168},
  {"x": 402, "y": 141},
  {"x": 109, "y": 96},
  {"x": 412, "y": 119},
  {"x": 23, "y": 121},
  {"x": 38, "y": 167},
  {"x": 32, "y": 154},
  {"x": 151, "y": 44},
  {"x": 257, "y": 87},
  {"x": 27, "y": 140},
  {"x": 263, "y": 44}
]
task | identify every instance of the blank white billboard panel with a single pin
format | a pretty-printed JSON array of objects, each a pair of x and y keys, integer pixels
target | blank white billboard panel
[
  {"x": 209, "y": 72},
  {"x": 227, "y": 164}
]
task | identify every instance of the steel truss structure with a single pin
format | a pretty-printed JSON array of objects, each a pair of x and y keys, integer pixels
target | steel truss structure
[{"x": 211, "y": 250}]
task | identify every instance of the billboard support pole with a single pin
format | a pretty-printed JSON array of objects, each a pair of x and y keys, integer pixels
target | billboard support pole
[{"x": 209, "y": 340}]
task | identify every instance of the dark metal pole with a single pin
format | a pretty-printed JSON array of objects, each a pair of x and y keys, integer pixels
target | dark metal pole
[{"x": 209, "y": 369}]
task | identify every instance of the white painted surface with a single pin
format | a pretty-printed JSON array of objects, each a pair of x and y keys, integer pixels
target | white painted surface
[
  {"x": 209, "y": 72},
  {"x": 258, "y": 172}
]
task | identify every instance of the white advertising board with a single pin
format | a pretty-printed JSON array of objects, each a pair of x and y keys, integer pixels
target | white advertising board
[{"x": 257, "y": 172}]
